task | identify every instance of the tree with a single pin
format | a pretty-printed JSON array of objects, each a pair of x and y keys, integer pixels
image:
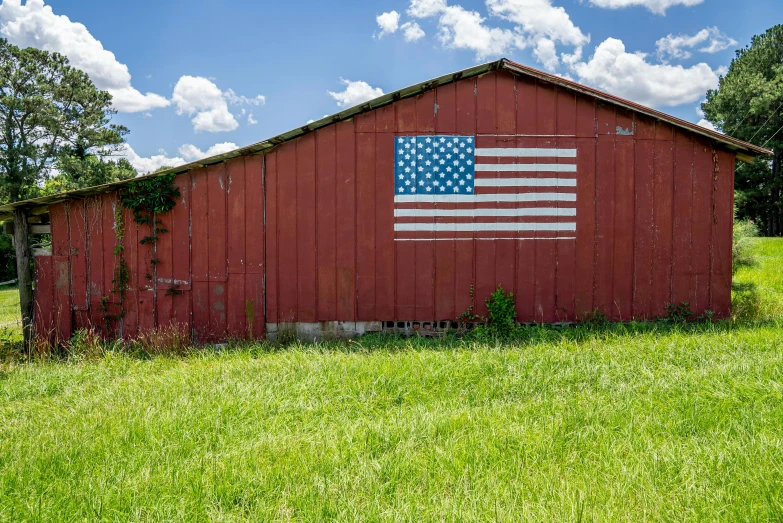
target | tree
[
  {"x": 48, "y": 109},
  {"x": 748, "y": 105},
  {"x": 87, "y": 170}
]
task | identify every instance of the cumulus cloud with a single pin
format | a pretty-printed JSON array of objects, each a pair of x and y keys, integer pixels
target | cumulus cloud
[
  {"x": 199, "y": 97},
  {"x": 192, "y": 153},
  {"x": 709, "y": 40},
  {"x": 631, "y": 76},
  {"x": 388, "y": 22},
  {"x": 233, "y": 99},
  {"x": 251, "y": 120},
  {"x": 537, "y": 24},
  {"x": 355, "y": 93},
  {"x": 708, "y": 125},
  {"x": 150, "y": 164},
  {"x": 35, "y": 25},
  {"x": 656, "y": 6},
  {"x": 412, "y": 31}
]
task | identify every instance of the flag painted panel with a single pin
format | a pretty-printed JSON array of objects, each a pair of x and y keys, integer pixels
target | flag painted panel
[{"x": 475, "y": 187}]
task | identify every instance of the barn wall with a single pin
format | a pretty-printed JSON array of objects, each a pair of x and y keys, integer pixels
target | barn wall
[
  {"x": 306, "y": 232},
  {"x": 209, "y": 275},
  {"x": 654, "y": 213}
]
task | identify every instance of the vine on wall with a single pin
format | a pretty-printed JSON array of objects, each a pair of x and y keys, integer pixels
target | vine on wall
[{"x": 147, "y": 199}]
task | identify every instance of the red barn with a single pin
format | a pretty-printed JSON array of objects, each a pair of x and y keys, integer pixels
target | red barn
[{"x": 573, "y": 199}]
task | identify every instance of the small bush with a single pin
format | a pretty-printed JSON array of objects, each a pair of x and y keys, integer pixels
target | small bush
[
  {"x": 172, "y": 339},
  {"x": 502, "y": 315},
  {"x": 85, "y": 344},
  {"x": 678, "y": 313},
  {"x": 741, "y": 249}
]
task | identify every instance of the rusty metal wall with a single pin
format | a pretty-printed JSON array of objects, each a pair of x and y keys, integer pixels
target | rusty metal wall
[{"x": 311, "y": 223}]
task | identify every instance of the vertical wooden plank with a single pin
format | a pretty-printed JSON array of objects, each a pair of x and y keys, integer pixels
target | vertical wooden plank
[
  {"x": 236, "y": 209},
  {"x": 164, "y": 271},
  {"x": 527, "y": 113},
  {"x": 662, "y": 227},
  {"x": 271, "y": 231},
  {"x": 254, "y": 212},
  {"x": 130, "y": 323},
  {"x": 58, "y": 217},
  {"x": 622, "y": 285},
  {"x": 254, "y": 299},
  {"x": 109, "y": 238},
  {"x": 464, "y": 261},
  {"x": 682, "y": 209},
  {"x": 236, "y": 316},
  {"x": 699, "y": 295},
  {"x": 200, "y": 307},
  {"x": 327, "y": 211},
  {"x": 446, "y": 109},
  {"x": 180, "y": 244},
  {"x": 385, "y": 120},
  {"x": 286, "y": 236},
  {"x": 365, "y": 223},
  {"x": 425, "y": 112},
  {"x": 306, "y": 229},
  {"x": 722, "y": 219},
  {"x": 604, "y": 227},
  {"x": 365, "y": 122},
  {"x": 217, "y": 226},
  {"x": 199, "y": 239},
  {"x": 566, "y": 250},
  {"x": 546, "y": 105},
  {"x": 445, "y": 251},
  {"x": 406, "y": 116},
  {"x": 78, "y": 249},
  {"x": 345, "y": 220},
  {"x": 546, "y": 250},
  {"x": 505, "y": 103},
  {"x": 566, "y": 112},
  {"x": 43, "y": 298},
  {"x": 485, "y": 100},
  {"x": 644, "y": 225},
  {"x": 585, "y": 225},
  {"x": 384, "y": 225},
  {"x": 95, "y": 258},
  {"x": 505, "y": 125},
  {"x": 585, "y": 117}
]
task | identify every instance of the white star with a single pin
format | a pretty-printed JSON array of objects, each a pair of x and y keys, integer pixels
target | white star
[
  {"x": 436, "y": 168},
  {"x": 407, "y": 182},
  {"x": 448, "y": 169},
  {"x": 427, "y": 162},
  {"x": 462, "y": 144},
  {"x": 421, "y": 169},
  {"x": 442, "y": 175},
  {"x": 401, "y": 163},
  {"x": 443, "y": 149},
  {"x": 448, "y": 156},
  {"x": 402, "y": 177},
  {"x": 456, "y": 162},
  {"x": 448, "y": 144},
  {"x": 400, "y": 151},
  {"x": 462, "y": 182},
  {"x": 462, "y": 169},
  {"x": 413, "y": 176},
  {"x": 413, "y": 189},
  {"x": 456, "y": 189},
  {"x": 407, "y": 146},
  {"x": 421, "y": 183},
  {"x": 420, "y": 157},
  {"x": 407, "y": 156},
  {"x": 428, "y": 175},
  {"x": 456, "y": 150},
  {"x": 469, "y": 150},
  {"x": 442, "y": 188},
  {"x": 470, "y": 140},
  {"x": 456, "y": 176},
  {"x": 469, "y": 162},
  {"x": 449, "y": 183},
  {"x": 429, "y": 150},
  {"x": 429, "y": 189},
  {"x": 400, "y": 140},
  {"x": 468, "y": 188},
  {"x": 421, "y": 144},
  {"x": 442, "y": 162},
  {"x": 402, "y": 189},
  {"x": 428, "y": 140},
  {"x": 468, "y": 176},
  {"x": 407, "y": 169},
  {"x": 436, "y": 183},
  {"x": 435, "y": 156},
  {"x": 461, "y": 156},
  {"x": 442, "y": 139}
]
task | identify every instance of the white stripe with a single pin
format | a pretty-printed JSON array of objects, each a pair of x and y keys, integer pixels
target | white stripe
[
  {"x": 469, "y": 213},
  {"x": 525, "y": 182},
  {"x": 478, "y": 239},
  {"x": 526, "y": 167},
  {"x": 483, "y": 198},
  {"x": 513, "y": 152},
  {"x": 496, "y": 226}
]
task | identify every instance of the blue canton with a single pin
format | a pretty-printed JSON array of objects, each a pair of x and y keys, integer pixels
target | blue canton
[{"x": 434, "y": 165}]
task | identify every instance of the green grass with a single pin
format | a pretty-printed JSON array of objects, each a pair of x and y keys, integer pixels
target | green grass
[
  {"x": 623, "y": 423},
  {"x": 758, "y": 289}
]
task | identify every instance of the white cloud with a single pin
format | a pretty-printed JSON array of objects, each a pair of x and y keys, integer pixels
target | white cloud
[
  {"x": 355, "y": 93},
  {"x": 537, "y": 24},
  {"x": 412, "y": 31},
  {"x": 710, "y": 40},
  {"x": 200, "y": 96},
  {"x": 546, "y": 53},
  {"x": 656, "y": 6},
  {"x": 233, "y": 99},
  {"x": 35, "y": 25},
  {"x": 629, "y": 75},
  {"x": 388, "y": 22},
  {"x": 463, "y": 29},
  {"x": 539, "y": 19},
  {"x": 147, "y": 165},
  {"x": 192, "y": 153},
  {"x": 704, "y": 123},
  {"x": 251, "y": 120}
]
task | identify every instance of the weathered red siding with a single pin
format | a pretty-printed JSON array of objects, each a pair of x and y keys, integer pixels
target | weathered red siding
[{"x": 305, "y": 233}]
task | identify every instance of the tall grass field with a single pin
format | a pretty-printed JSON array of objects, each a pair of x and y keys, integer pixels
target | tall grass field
[{"x": 633, "y": 422}]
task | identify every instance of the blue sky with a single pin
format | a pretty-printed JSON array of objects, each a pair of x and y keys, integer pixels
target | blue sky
[{"x": 209, "y": 65}]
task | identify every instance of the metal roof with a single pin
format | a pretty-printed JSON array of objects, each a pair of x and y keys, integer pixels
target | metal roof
[{"x": 745, "y": 151}]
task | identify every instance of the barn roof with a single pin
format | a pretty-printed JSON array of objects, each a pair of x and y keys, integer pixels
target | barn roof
[{"x": 744, "y": 151}]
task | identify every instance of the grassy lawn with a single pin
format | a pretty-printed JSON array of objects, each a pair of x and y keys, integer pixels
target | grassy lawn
[{"x": 621, "y": 423}]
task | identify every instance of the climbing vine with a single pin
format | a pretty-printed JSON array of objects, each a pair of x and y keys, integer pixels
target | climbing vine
[{"x": 148, "y": 199}]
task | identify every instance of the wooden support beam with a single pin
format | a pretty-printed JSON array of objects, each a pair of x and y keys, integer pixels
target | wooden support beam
[{"x": 40, "y": 229}]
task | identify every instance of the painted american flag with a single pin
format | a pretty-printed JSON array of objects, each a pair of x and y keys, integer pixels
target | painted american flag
[{"x": 446, "y": 187}]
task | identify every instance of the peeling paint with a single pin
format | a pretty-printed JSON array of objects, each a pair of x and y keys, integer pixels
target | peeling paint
[
  {"x": 436, "y": 108},
  {"x": 626, "y": 132}
]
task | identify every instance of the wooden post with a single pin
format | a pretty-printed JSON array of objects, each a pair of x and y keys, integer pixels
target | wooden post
[{"x": 24, "y": 272}]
